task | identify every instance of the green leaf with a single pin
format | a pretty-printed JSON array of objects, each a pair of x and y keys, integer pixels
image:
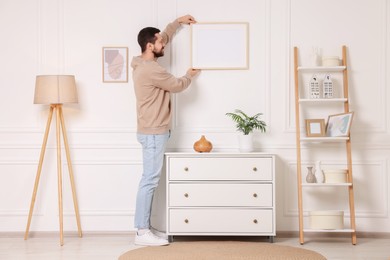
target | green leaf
[{"x": 246, "y": 124}]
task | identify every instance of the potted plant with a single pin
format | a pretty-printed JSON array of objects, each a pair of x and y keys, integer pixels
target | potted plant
[{"x": 246, "y": 125}]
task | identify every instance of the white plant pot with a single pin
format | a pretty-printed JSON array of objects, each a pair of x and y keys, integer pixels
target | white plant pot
[{"x": 245, "y": 143}]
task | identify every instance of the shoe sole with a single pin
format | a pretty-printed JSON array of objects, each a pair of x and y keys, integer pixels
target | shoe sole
[
  {"x": 147, "y": 244},
  {"x": 160, "y": 234}
]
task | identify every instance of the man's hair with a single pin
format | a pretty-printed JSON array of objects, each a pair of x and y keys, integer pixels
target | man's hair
[{"x": 147, "y": 35}]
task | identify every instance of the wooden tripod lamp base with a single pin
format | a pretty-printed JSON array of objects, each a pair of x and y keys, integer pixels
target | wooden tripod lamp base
[{"x": 55, "y": 89}]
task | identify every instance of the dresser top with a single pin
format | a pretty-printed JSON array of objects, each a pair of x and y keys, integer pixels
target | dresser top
[{"x": 219, "y": 154}]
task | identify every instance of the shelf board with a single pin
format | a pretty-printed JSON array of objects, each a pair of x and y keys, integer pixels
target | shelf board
[
  {"x": 324, "y": 139},
  {"x": 320, "y": 100},
  {"x": 320, "y": 68},
  {"x": 326, "y": 184},
  {"x": 346, "y": 230}
]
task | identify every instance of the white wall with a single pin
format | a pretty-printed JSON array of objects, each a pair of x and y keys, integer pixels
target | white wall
[{"x": 66, "y": 37}]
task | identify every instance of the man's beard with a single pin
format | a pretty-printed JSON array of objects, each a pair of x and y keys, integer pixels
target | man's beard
[{"x": 158, "y": 54}]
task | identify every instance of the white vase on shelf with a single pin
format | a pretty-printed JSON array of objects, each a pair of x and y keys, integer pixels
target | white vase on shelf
[
  {"x": 315, "y": 57},
  {"x": 320, "y": 177}
]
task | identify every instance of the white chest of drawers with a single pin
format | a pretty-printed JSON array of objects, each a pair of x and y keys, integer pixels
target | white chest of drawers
[{"x": 219, "y": 194}]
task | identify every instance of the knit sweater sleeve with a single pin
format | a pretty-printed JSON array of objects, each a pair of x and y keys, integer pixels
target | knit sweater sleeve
[
  {"x": 171, "y": 28},
  {"x": 166, "y": 81}
]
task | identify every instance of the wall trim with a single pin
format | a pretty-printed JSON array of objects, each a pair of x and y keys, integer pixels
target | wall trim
[
  {"x": 293, "y": 212},
  {"x": 137, "y": 146},
  {"x": 279, "y": 234},
  {"x": 100, "y": 213},
  {"x": 383, "y": 126}
]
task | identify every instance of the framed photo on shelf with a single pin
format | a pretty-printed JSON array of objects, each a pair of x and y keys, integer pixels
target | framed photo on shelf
[
  {"x": 339, "y": 124},
  {"x": 115, "y": 64},
  {"x": 315, "y": 127}
]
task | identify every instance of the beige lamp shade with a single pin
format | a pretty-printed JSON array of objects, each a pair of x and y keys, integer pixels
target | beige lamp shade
[{"x": 55, "y": 89}]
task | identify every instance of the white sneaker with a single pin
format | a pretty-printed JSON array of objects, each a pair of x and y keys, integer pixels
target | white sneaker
[
  {"x": 150, "y": 239},
  {"x": 159, "y": 233}
]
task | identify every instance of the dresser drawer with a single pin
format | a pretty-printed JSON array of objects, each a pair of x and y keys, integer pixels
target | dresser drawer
[
  {"x": 226, "y": 194},
  {"x": 220, "y": 169},
  {"x": 220, "y": 221}
]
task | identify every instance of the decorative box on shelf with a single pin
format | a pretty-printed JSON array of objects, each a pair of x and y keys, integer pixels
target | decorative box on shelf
[
  {"x": 326, "y": 219},
  {"x": 335, "y": 175}
]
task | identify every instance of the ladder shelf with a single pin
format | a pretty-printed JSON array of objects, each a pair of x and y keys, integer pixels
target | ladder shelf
[{"x": 302, "y": 139}]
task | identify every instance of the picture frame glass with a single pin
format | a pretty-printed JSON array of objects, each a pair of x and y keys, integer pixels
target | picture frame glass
[
  {"x": 339, "y": 125},
  {"x": 115, "y": 64},
  {"x": 219, "y": 46},
  {"x": 315, "y": 127}
]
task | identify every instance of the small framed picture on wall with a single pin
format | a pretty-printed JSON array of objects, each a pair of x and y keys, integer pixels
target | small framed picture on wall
[
  {"x": 115, "y": 64},
  {"x": 315, "y": 127}
]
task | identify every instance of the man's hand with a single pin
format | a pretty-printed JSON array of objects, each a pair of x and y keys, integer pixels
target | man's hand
[
  {"x": 187, "y": 19},
  {"x": 193, "y": 72}
]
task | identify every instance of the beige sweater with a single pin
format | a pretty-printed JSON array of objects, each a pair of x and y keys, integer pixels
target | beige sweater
[{"x": 153, "y": 86}]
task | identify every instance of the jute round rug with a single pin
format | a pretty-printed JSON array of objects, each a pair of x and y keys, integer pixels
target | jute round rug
[{"x": 220, "y": 250}]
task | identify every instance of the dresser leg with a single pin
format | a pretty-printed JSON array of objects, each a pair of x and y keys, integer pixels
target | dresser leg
[
  {"x": 170, "y": 239},
  {"x": 271, "y": 239}
]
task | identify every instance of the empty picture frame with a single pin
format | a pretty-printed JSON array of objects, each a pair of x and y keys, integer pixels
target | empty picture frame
[
  {"x": 115, "y": 64},
  {"x": 217, "y": 46},
  {"x": 339, "y": 124},
  {"x": 315, "y": 127}
]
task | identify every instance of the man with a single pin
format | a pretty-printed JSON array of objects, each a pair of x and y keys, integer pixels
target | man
[{"x": 153, "y": 86}]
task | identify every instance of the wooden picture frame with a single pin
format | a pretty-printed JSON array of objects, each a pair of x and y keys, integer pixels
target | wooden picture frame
[
  {"x": 315, "y": 127},
  {"x": 219, "y": 46},
  {"x": 339, "y": 125},
  {"x": 115, "y": 64}
]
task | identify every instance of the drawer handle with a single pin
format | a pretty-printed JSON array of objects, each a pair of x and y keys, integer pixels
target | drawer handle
[
  {"x": 186, "y": 169},
  {"x": 255, "y": 195},
  {"x": 255, "y": 169},
  {"x": 186, "y": 195},
  {"x": 186, "y": 221},
  {"x": 255, "y": 221}
]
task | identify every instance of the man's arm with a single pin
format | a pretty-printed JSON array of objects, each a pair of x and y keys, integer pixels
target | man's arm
[{"x": 172, "y": 27}]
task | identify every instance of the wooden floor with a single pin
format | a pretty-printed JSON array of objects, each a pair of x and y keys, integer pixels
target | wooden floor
[{"x": 93, "y": 246}]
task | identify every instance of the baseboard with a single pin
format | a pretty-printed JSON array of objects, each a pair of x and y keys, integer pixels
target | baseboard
[
  {"x": 66, "y": 234},
  {"x": 291, "y": 234},
  {"x": 281, "y": 234}
]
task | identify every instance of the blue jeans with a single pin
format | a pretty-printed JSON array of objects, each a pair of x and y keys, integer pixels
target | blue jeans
[{"x": 153, "y": 149}]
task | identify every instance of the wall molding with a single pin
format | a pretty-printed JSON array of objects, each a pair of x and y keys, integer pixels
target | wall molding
[
  {"x": 19, "y": 213},
  {"x": 137, "y": 146},
  {"x": 382, "y": 128},
  {"x": 293, "y": 212},
  {"x": 104, "y": 162},
  {"x": 101, "y": 213}
]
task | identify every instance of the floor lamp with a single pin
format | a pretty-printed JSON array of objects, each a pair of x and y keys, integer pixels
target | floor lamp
[{"x": 55, "y": 90}]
